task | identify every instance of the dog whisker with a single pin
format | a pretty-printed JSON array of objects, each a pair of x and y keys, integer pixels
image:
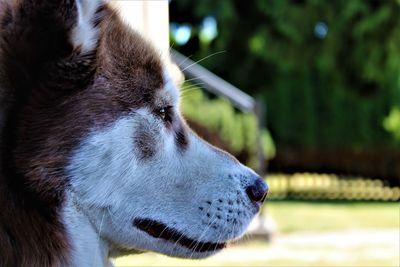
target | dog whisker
[
  {"x": 193, "y": 79},
  {"x": 188, "y": 87},
  {"x": 218, "y": 241},
  {"x": 214, "y": 218},
  {"x": 98, "y": 239},
  {"x": 204, "y": 58},
  {"x": 187, "y": 93},
  {"x": 183, "y": 61}
]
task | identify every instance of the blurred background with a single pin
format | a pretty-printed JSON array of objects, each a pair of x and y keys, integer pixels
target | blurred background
[{"x": 307, "y": 92}]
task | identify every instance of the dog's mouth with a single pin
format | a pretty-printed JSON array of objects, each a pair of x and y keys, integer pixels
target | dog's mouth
[{"x": 160, "y": 230}]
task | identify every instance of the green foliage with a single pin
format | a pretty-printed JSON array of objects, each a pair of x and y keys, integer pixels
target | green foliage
[
  {"x": 392, "y": 123},
  {"x": 324, "y": 90},
  {"x": 238, "y": 130}
]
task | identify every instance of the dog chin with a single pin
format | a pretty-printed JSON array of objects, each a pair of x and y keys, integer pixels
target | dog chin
[
  {"x": 172, "y": 242},
  {"x": 184, "y": 253},
  {"x": 177, "y": 251}
]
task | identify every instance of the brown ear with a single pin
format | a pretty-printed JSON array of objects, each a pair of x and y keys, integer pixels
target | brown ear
[{"x": 42, "y": 37}]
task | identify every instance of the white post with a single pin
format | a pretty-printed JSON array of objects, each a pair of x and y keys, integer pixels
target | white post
[{"x": 151, "y": 18}]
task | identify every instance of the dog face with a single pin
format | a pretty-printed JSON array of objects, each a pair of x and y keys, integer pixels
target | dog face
[
  {"x": 151, "y": 184},
  {"x": 114, "y": 143}
]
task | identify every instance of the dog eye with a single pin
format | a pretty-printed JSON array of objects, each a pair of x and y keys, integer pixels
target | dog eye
[
  {"x": 165, "y": 113},
  {"x": 162, "y": 112}
]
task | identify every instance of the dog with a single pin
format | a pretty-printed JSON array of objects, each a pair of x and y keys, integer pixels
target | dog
[{"x": 96, "y": 160}]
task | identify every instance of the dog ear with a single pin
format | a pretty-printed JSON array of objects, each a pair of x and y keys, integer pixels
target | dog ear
[
  {"x": 85, "y": 33},
  {"x": 48, "y": 43}
]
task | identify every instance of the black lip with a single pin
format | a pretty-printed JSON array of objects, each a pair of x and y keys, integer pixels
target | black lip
[{"x": 160, "y": 230}]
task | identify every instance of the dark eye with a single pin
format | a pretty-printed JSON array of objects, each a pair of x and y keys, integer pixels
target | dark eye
[{"x": 165, "y": 113}]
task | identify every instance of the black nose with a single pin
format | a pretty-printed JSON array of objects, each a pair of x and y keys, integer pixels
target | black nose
[{"x": 258, "y": 191}]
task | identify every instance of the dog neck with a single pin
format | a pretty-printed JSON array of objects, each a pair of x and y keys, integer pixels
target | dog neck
[{"x": 87, "y": 247}]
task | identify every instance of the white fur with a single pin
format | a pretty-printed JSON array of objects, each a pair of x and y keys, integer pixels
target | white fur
[
  {"x": 88, "y": 249},
  {"x": 85, "y": 35}
]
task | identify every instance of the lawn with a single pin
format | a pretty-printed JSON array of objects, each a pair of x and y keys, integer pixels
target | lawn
[
  {"x": 316, "y": 216},
  {"x": 310, "y": 234}
]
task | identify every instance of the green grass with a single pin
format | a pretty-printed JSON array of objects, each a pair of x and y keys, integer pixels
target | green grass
[
  {"x": 305, "y": 216},
  {"x": 302, "y": 219}
]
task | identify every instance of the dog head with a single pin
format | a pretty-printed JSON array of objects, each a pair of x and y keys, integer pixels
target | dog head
[{"x": 112, "y": 139}]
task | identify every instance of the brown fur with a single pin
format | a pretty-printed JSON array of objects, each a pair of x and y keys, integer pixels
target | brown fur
[{"x": 51, "y": 95}]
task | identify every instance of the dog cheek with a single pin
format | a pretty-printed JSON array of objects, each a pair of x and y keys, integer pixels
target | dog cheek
[
  {"x": 181, "y": 138},
  {"x": 145, "y": 143}
]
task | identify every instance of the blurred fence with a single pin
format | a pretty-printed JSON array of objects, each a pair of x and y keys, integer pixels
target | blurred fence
[
  {"x": 373, "y": 162},
  {"x": 307, "y": 186}
]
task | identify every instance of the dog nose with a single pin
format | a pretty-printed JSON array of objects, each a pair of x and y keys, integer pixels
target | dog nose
[{"x": 258, "y": 191}]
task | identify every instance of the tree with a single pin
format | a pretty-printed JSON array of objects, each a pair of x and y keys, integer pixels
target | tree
[{"x": 328, "y": 70}]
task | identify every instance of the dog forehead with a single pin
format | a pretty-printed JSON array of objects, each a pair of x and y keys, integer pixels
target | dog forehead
[
  {"x": 169, "y": 93},
  {"x": 129, "y": 69}
]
